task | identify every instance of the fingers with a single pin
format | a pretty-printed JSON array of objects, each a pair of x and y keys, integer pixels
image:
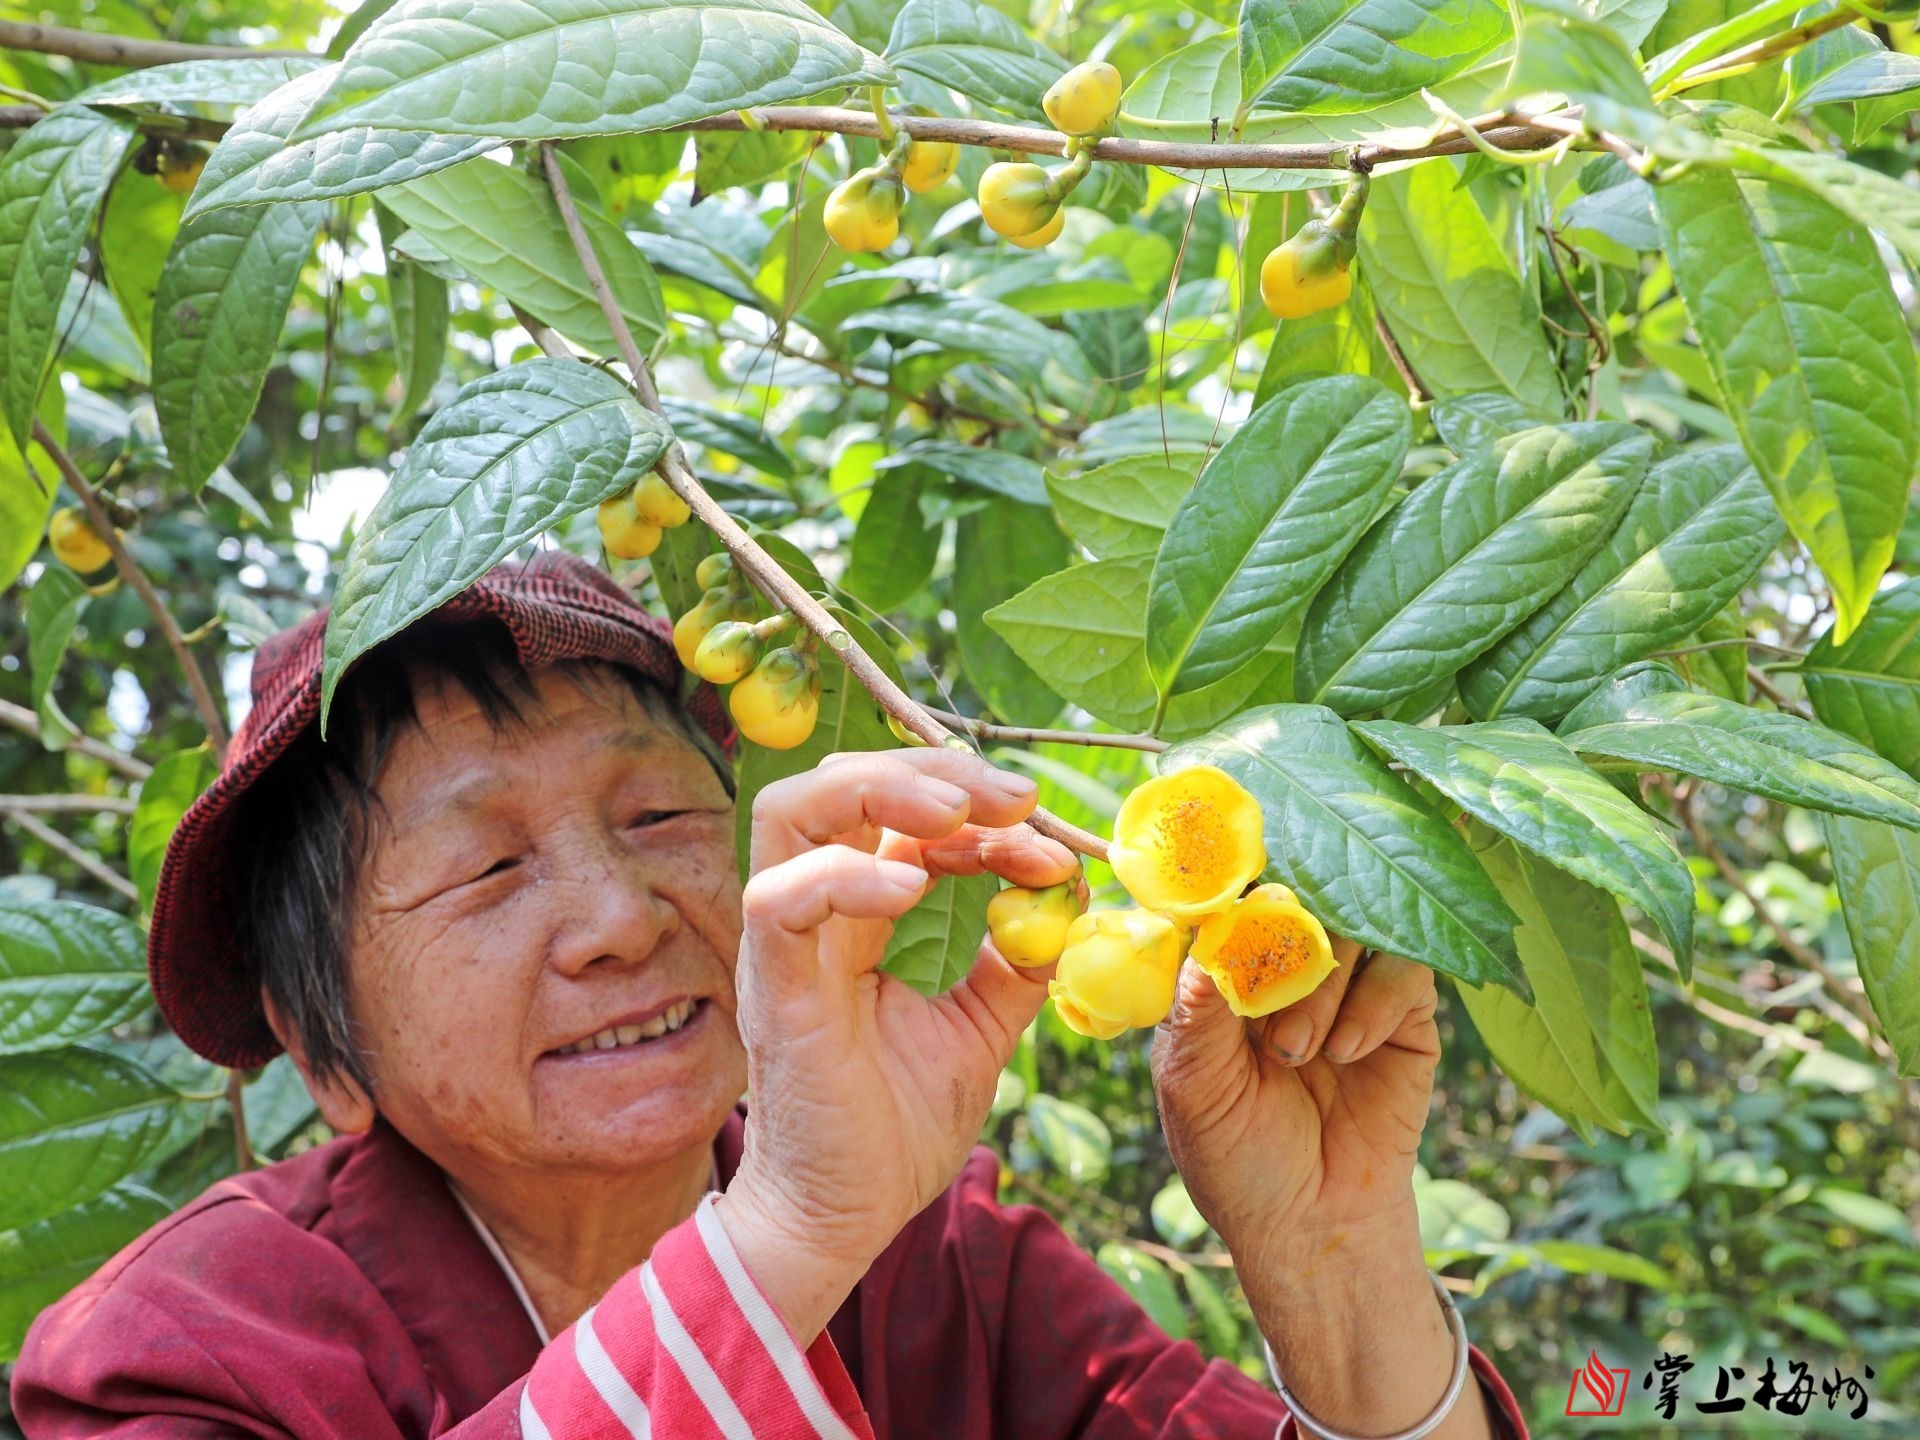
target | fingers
[
  {"x": 1200, "y": 1034},
  {"x": 803, "y": 894},
  {"x": 1385, "y": 999},
  {"x": 1294, "y": 1034},
  {"x": 1018, "y": 854},
  {"x": 924, "y": 793},
  {"x": 999, "y": 998}
]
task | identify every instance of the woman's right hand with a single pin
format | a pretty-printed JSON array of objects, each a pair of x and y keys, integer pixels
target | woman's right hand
[{"x": 865, "y": 1096}]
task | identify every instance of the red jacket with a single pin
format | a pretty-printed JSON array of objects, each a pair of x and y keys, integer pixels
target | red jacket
[{"x": 342, "y": 1295}]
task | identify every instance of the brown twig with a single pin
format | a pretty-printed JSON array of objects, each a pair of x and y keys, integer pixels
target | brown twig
[
  {"x": 27, "y": 723},
  {"x": 136, "y": 578},
  {"x": 1766, "y": 687},
  {"x": 1027, "y": 735},
  {"x": 1392, "y": 346},
  {"x": 236, "y": 1102},
  {"x": 781, "y": 588},
  {"x": 86, "y": 860},
  {"x": 93, "y": 48},
  {"x": 69, "y": 804}
]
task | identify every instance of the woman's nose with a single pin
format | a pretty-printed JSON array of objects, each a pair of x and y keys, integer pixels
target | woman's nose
[{"x": 607, "y": 904}]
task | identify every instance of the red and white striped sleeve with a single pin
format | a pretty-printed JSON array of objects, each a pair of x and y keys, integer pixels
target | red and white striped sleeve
[{"x": 688, "y": 1346}]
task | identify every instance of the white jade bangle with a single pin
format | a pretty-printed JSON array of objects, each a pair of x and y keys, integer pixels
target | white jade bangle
[{"x": 1420, "y": 1428}]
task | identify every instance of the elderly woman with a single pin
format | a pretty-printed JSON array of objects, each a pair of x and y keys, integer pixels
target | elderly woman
[{"x": 495, "y": 919}]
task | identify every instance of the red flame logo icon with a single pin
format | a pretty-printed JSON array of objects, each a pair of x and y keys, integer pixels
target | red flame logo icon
[{"x": 1596, "y": 1390}]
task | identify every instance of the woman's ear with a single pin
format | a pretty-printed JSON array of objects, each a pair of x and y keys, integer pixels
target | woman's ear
[{"x": 347, "y": 1108}]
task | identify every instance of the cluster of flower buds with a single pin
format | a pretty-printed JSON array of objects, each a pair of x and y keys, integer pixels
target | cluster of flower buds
[
  {"x": 632, "y": 522},
  {"x": 775, "y": 700}
]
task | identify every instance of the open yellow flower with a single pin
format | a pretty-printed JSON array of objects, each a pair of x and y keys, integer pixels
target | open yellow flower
[
  {"x": 1264, "y": 952},
  {"x": 1117, "y": 971},
  {"x": 1188, "y": 843}
]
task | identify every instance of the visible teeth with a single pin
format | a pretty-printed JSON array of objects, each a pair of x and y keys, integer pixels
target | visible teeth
[
  {"x": 665, "y": 1023},
  {"x": 605, "y": 1040}
]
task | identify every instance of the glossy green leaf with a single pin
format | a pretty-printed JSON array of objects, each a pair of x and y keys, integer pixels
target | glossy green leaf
[
  {"x": 240, "y": 81},
  {"x": 551, "y": 69},
  {"x": 1072, "y": 1138},
  {"x": 1695, "y": 533},
  {"x": 1361, "y": 848},
  {"x": 42, "y": 1261},
  {"x": 254, "y": 163},
  {"x": 970, "y": 324},
  {"x": 973, "y": 49},
  {"x": 1562, "y": 53},
  {"x": 1466, "y": 557},
  {"x": 1449, "y": 294},
  {"x": 1876, "y": 869},
  {"x": 728, "y": 432},
  {"x": 51, "y": 183},
  {"x": 216, "y": 322},
  {"x": 1084, "y": 628},
  {"x": 176, "y": 782},
  {"x": 1124, "y": 507},
  {"x": 999, "y": 472},
  {"x": 67, "y": 972},
  {"x": 1480, "y": 421},
  {"x": 935, "y": 943},
  {"x": 533, "y": 263},
  {"x": 1869, "y": 688},
  {"x": 998, "y": 552},
  {"x": 1337, "y": 56},
  {"x": 1268, "y": 520},
  {"x": 727, "y": 158},
  {"x": 1585, "y": 1046},
  {"x": 894, "y": 547},
  {"x": 1514, "y": 777},
  {"x": 73, "y": 1122},
  {"x": 1148, "y": 1281},
  {"x": 27, "y": 488},
  {"x": 1768, "y": 753},
  {"x": 1811, "y": 352},
  {"x": 417, "y": 311},
  {"x": 136, "y": 231},
  {"x": 509, "y": 457},
  {"x": 54, "y": 606}
]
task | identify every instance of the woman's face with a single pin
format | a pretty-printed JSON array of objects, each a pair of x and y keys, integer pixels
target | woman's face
[{"x": 535, "y": 910}]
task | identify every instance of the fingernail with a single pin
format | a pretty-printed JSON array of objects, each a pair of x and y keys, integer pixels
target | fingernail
[
  {"x": 1292, "y": 1036},
  {"x": 902, "y": 876},
  {"x": 1344, "y": 1040},
  {"x": 1017, "y": 786},
  {"x": 945, "y": 793}
]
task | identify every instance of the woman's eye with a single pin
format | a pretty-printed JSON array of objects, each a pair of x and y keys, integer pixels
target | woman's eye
[
  {"x": 499, "y": 867},
  {"x": 650, "y": 817}
]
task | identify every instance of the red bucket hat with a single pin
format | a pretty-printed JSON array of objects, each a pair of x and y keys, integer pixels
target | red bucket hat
[{"x": 555, "y": 607}]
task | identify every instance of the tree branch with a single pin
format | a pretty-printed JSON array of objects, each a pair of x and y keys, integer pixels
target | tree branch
[
  {"x": 766, "y": 573},
  {"x": 69, "y": 804},
  {"x": 1026, "y": 735},
  {"x": 27, "y": 723},
  {"x": 93, "y": 48},
  {"x": 136, "y": 578},
  {"x": 85, "y": 859}
]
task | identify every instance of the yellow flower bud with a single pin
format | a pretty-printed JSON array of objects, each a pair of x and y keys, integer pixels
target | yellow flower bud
[
  {"x": 714, "y": 571},
  {"x": 1084, "y": 100},
  {"x": 1013, "y": 199},
  {"x": 729, "y": 650},
  {"x": 626, "y": 535},
  {"x": 863, "y": 211},
  {"x": 656, "y": 502},
  {"x": 1029, "y": 927},
  {"x": 1188, "y": 843},
  {"x": 1307, "y": 274},
  {"x": 902, "y": 733},
  {"x": 930, "y": 164},
  {"x": 1045, "y": 235},
  {"x": 1117, "y": 971},
  {"x": 779, "y": 703},
  {"x": 1264, "y": 951},
  {"x": 75, "y": 543},
  {"x": 691, "y": 628}
]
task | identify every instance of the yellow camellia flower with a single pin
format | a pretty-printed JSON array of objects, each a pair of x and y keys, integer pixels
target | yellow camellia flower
[
  {"x": 1264, "y": 952},
  {"x": 712, "y": 608},
  {"x": 930, "y": 164},
  {"x": 1117, "y": 971},
  {"x": 728, "y": 652},
  {"x": 1030, "y": 927},
  {"x": 863, "y": 211},
  {"x": 1307, "y": 274},
  {"x": 1186, "y": 844},
  {"x": 1084, "y": 100},
  {"x": 658, "y": 503}
]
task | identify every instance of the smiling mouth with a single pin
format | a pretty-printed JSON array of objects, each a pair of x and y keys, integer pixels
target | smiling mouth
[{"x": 619, "y": 1037}]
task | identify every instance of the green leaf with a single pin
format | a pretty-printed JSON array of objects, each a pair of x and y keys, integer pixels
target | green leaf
[
  {"x": 42, "y": 1261},
  {"x": 1448, "y": 292},
  {"x": 51, "y": 182},
  {"x": 1359, "y": 846},
  {"x": 1695, "y": 533},
  {"x": 217, "y": 314},
  {"x": 73, "y": 1122},
  {"x": 1876, "y": 869},
  {"x": 176, "y": 782},
  {"x": 1453, "y": 1213},
  {"x": 893, "y": 545},
  {"x": 136, "y": 231},
  {"x": 999, "y": 472},
  {"x": 1865, "y": 1212},
  {"x": 969, "y": 324},
  {"x": 1085, "y": 627},
  {"x": 254, "y": 163},
  {"x": 509, "y": 457},
  {"x": 998, "y": 552},
  {"x": 1869, "y": 688},
  {"x": 1175, "y": 1216},
  {"x": 1810, "y": 350},
  {"x": 240, "y": 81},
  {"x": 1124, "y": 507},
  {"x": 725, "y": 159},
  {"x": 973, "y": 49},
  {"x": 1072, "y": 1138},
  {"x": 935, "y": 943},
  {"x": 1466, "y": 557},
  {"x": 1480, "y": 421},
  {"x": 1562, "y": 53},
  {"x": 582, "y": 67},
  {"x": 1585, "y": 1048},
  {"x": 67, "y": 972},
  {"x": 1517, "y": 779},
  {"x": 1218, "y": 1326},
  {"x": 728, "y": 432},
  {"x": 418, "y": 313},
  {"x": 1148, "y": 1282},
  {"x": 532, "y": 263},
  {"x": 1266, "y": 523},
  {"x": 53, "y": 609},
  {"x": 1779, "y": 756},
  {"x": 1340, "y": 56}
]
